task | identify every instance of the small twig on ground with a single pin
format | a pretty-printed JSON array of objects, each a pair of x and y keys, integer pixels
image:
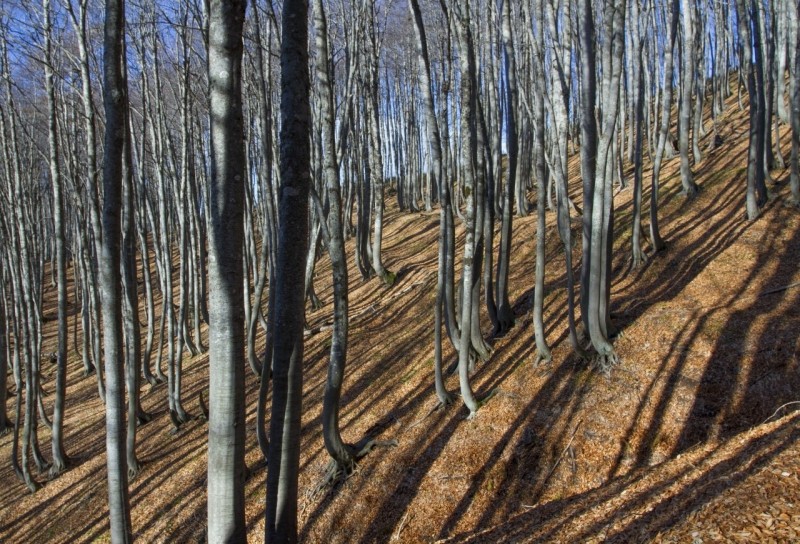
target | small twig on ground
[
  {"x": 396, "y": 535},
  {"x": 779, "y": 409},
  {"x": 780, "y": 289},
  {"x": 370, "y": 309},
  {"x": 563, "y": 453}
]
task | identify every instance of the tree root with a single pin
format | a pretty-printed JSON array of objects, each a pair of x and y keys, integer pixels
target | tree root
[
  {"x": 542, "y": 359},
  {"x": 134, "y": 468},
  {"x": 605, "y": 362},
  {"x": 57, "y": 468},
  {"x": 179, "y": 417},
  {"x": 388, "y": 278},
  {"x": 203, "y": 407},
  {"x": 336, "y": 473},
  {"x": 143, "y": 417},
  {"x": 441, "y": 404},
  {"x": 153, "y": 381}
]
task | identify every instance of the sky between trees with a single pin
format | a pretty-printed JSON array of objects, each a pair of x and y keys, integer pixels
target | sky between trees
[{"x": 209, "y": 154}]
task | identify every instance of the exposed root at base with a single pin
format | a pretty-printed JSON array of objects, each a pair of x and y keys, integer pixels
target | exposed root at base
[
  {"x": 203, "y": 407},
  {"x": 56, "y": 469},
  {"x": 134, "y": 468},
  {"x": 604, "y": 363},
  {"x": 336, "y": 472},
  {"x": 542, "y": 359}
]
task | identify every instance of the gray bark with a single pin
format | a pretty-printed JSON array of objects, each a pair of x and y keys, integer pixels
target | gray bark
[
  {"x": 663, "y": 135},
  {"x": 226, "y": 425},
  {"x": 116, "y": 103},
  {"x": 795, "y": 114},
  {"x": 445, "y": 212},
  {"x": 341, "y": 453},
  {"x": 685, "y": 112},
  {"x": 295, "y": 165},
  {"x": 505, "y": 317},
  {"x": 469, "y": 152},
  {"x": 59, "y": 455}
]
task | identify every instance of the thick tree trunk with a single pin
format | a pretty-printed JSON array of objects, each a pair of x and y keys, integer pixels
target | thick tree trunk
[
  {"x": 295, "y": 154},
  {"x": 116, "y": 103},
  {"x": 226, "y": 425}
]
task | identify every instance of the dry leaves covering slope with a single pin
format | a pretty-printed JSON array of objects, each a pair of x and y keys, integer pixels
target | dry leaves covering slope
[{"x": 670, "y": 447}]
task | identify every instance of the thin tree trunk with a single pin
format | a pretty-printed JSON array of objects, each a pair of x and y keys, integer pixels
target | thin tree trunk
[{"x": 60, "y": 459}]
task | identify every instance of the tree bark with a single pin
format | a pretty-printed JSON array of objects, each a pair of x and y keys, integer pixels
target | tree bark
[
  {"x": 295, "y": 159},
  {"x": 116, "y": 103},
  {"x": 226, "y": 425}
]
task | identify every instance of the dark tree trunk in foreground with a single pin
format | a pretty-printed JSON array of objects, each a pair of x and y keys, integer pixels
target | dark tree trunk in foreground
[
  {"x": 226, "y": 424},
  {"x": 795, "y": 114},
  {"x": 295, "y": 156},
  {"x": 116, "y": 102}
]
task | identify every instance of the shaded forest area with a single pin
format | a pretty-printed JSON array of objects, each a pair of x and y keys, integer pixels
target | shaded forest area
[{"x": 439, "y": 271}]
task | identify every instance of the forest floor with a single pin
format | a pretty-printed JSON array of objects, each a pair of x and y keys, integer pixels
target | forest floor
[{"x": 693, "y": 437}]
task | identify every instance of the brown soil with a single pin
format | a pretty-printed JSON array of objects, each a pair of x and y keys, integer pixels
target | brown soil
[{"x": 687, "y": 440}]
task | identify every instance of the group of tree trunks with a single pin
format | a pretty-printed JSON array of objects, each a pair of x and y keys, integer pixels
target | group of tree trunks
[{"x": 225, "y": 174}]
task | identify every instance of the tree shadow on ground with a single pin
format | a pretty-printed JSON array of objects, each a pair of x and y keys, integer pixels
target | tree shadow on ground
[{"x": 637, "y": 506}]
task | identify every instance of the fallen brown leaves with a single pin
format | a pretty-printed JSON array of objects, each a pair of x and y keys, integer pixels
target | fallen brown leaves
[{"x": 671, "y": 448}]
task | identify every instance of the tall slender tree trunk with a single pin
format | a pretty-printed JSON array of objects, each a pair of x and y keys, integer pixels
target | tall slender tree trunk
[
  {"x": 59, "y": 456},
  {"x": 226, "y": 425},
  {"x": 116, "y": 103},
  {"x": 505, "y": 317},
  {"x": 685, "y": 113},
  {"x": 663, "y": 134},
  {"x": 295, "y": 156},
  {"x": 432, "y": 126},
  {"x": 795, "y": 114}
]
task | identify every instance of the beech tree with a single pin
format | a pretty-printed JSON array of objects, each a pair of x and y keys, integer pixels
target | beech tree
[
  {"x": 59, "y": 456},
  {"x": 115, "y": 105},
  {"x": 230, "y": 196},
  {"x": 226, "y": 424},
  {"x": 295, "y": 169}
]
